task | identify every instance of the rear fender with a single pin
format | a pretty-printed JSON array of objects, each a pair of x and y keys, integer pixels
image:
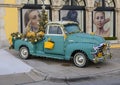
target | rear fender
[{"x": 20, "y": 43}]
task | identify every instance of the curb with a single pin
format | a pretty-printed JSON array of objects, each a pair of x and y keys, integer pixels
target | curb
[
  {"x": 115, "y": 46},
  {"x": 83, "y": 77},
  {"x": 87, "y": 77},
  {"x": 40, "y": 76},
  {"x": 36, "y": 75}
]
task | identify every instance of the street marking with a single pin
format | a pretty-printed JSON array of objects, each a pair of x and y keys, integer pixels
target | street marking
[{"x": 115, "y": 46}]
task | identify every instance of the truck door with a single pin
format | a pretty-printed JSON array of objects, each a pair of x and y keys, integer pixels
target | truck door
[{"x": 55, "y": 34}]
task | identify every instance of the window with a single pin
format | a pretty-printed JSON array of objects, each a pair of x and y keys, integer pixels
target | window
[
  {"x": 78, "y": 2},
  {"x": 103, "y": 23},
  {"x": 33, "y": 8},
  {"x": 67, "y": 2},
  {"x": 73, "y": 15},
  {"x": 55, "y": 30},
  {"x": 104, "y": 3},
  {"x": 74, "y": 2},
  {"x": 46, "y": 2},
  {"x": 31, "y": 1},
  {"x": 104, "y": 18},
  {"x": 109, "y": 3},
  {"x": 74, "y": 10},
  {"x": 98, "y": 3},
  {"x": 33, "y": 15}
]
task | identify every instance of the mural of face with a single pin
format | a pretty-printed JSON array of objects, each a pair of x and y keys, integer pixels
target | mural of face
[
  {"x": 99, "y": 20},
  {"x": 34, "y": 17}
]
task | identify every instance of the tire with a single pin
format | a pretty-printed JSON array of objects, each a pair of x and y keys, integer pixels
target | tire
[
  {"x": 80, "y": 59},
  {"x": 24, "y": 53}
]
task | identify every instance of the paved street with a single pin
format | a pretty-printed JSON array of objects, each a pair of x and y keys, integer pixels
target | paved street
[
  {"x": 111, "y": 79},
  {"x": 39, "y": 71},
  {"x": 108, "y": 79}
]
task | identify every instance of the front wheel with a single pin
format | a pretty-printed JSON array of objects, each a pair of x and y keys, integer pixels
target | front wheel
[
  {"x": 24, "y": 53},
  {"x": 80, "y": 59}
]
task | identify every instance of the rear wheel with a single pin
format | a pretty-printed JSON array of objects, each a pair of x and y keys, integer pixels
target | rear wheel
[
  {"x": 24, "y": 53},
  {"x": 80, "y": 59}
]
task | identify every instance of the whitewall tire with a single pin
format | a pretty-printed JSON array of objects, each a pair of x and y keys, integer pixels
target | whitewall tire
[
  {"x": 24, "y": 53},
  {"x": 80, "y": 59}
]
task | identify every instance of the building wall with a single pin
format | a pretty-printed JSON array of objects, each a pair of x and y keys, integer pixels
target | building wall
[
  {"x": 10, "y": 16},
  {"x": 9, "y": 19},
  {"x": 117, "y": 2},
  {"x": 2, "y": 29}
]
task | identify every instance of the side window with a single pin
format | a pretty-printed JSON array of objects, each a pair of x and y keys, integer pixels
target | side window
[{"x": 55, "y": 30}]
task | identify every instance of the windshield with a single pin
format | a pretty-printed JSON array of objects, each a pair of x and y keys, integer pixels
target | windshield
[{"x": 71, "y": 28}]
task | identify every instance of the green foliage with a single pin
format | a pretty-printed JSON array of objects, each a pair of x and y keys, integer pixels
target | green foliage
[
  {"x": 17, "y": 35},
  {"x": 43, "y": 20},
  {"x": 110, "y": 38}
]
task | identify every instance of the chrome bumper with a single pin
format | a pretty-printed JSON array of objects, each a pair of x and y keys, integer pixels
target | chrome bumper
[
  {"x": 102, "y": 58},
  {"x": 105, "y": 54}
]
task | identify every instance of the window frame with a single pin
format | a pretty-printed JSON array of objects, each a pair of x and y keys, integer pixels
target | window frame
[
  {"x": 104, "y": 7},
  {"x": 107, "y": 9},
  {"x": 71, "y": 3},
  {"x": 56, "y": 29},
  {"x": 36, "y": 2},
  {"x": 77, "y": 8},
  {"x": 33, "y": 6},
  {"x": 48, "y": 27}
]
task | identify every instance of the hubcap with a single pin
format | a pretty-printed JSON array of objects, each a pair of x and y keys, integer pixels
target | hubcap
[
  {"x": 80, "y": 60},
  {"x": 24, "y": 53}
]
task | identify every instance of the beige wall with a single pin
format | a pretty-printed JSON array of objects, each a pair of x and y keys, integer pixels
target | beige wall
[
  {"x": 8, "y": 20},
  {"x": 117, "y": 2},
  {"x": 2, "y": 29}
]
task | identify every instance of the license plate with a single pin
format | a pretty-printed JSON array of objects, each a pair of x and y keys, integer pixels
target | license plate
[{"x": 100, "y": 55}]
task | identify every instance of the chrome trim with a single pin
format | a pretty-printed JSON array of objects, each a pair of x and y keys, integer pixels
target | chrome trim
[
  {"x": 106, "y": 52},
  {"x": 102, "y": 59},
  {"x": 71, "y": 40}
]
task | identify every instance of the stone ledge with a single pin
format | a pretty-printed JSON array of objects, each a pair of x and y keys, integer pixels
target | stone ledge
[{"x": 12, "y": 5}]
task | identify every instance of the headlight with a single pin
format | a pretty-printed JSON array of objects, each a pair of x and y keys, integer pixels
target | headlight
[{"x": 99, "y": 48}]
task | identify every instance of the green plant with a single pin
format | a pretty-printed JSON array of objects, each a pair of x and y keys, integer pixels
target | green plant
[{"x": 110, "y": 38}]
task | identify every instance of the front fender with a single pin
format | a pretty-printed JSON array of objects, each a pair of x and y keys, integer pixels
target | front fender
[
  {"x": 18, "y": 43},
  {"x": 85, "y": 47}
]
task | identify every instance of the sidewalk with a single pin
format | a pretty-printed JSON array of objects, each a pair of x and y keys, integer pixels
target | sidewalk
[
  {"x": 11, "y": 65},
  {"x": 12, "y": 70}
]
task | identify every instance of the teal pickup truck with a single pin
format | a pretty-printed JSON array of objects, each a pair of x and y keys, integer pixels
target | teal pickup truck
[{"x": 64, "y": 40}]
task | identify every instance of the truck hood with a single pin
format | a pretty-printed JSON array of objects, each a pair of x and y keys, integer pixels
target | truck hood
[{"x": 85, "y": 38}]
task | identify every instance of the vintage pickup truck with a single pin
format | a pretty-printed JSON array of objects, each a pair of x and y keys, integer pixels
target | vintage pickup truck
[{"x": 64, "y": 40}]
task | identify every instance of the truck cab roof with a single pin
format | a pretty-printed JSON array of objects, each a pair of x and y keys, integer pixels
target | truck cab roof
[{"x": 62, "y": 22}]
